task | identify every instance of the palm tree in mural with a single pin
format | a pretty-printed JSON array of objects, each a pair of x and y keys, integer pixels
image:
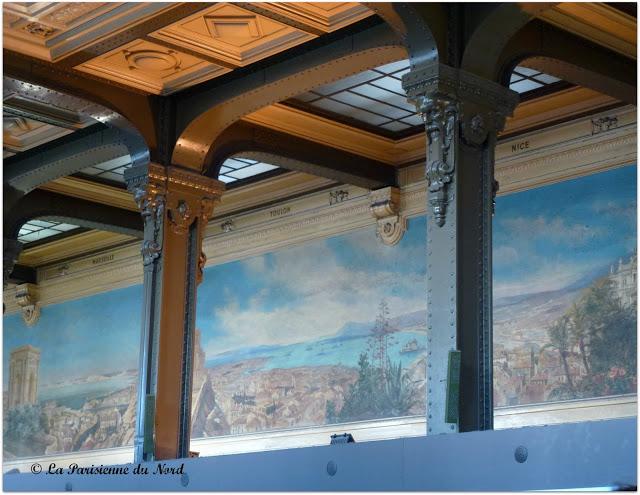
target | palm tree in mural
[
  {"x": 380, "y": 338},
  {"x": 560, "y": 340}
]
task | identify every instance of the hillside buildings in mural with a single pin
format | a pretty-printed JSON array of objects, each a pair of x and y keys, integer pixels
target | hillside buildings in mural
[{"x": 587, "y": 348}]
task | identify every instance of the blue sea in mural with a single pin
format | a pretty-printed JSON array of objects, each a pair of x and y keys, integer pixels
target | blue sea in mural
[{"x": 337, "y": 351}]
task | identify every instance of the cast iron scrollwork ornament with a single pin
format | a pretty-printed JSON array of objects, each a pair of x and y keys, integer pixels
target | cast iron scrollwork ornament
[
  {"x": 440, "y": 117},
  {"x": 150, "y": 252},
  {"x": 474, "y": 129},
  {"x": 150, "y": 202}
]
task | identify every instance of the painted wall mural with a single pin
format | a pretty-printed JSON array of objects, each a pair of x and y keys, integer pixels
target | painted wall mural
[
  {"x": 565, "y": 299},
  {"x": 334, "y": 330},
  {"x": 69, "y": 382}
]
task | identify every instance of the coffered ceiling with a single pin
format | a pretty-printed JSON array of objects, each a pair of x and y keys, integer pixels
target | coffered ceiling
[
  {"x": 142, "y": 45},
  {"x": 52, "y": 31},
  {"x": 163, "y": 48}
]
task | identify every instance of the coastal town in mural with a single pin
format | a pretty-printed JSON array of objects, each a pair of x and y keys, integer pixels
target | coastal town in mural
[{"x": 333, "y": 330}]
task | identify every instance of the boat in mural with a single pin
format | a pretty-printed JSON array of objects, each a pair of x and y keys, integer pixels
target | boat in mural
[{"x": 411, "y": 346}]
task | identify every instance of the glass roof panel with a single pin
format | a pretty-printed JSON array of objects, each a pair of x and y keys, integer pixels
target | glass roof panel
[
  {"x": 375, "y": 97},
  {"x": 525, "y": 85},
  {"x": 35, "y": 230},
  {"x": 242, "y": 168},
  {"x": 524, "y": 79}
]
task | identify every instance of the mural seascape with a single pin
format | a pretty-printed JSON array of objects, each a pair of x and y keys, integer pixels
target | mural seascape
[
  {"x": 70, "y": 380},
  {"x": 565, "y": 297},
  {"x": 333, "y": 330}
]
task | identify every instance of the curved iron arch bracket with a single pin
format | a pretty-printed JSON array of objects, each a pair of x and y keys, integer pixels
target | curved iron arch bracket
[
  {"x": 497, "y": 25},
  {"x": 199, "y": 130},
  {"x": 244, "y": 139},
  {"x": 425, "y": 41},
  {"x": 128, "y": 134},
  {"x": 571, "y": 58},
  {"x": 61, "y": 208},
  {"x": 67, "y": 209},
  {"x": 82, "y": 149}
]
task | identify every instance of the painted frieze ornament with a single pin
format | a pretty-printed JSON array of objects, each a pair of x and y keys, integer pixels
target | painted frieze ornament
[
  {"x": 26, "y": 297},
  {"x": 440, "y": 116},
  {"x": 385, "y": 207},
  {"x": 227, "y": 226}
]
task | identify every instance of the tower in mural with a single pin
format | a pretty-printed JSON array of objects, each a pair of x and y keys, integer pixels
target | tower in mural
[
  {"x": 23, "y": 375},
  {"x": 624, "y": 276}
]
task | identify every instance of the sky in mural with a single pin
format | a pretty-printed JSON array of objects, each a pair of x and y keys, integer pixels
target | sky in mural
[
  {"x": 81, "y": 337},
  {"x": 310, "y": 291},
  {"x": 553, "y": 237}
]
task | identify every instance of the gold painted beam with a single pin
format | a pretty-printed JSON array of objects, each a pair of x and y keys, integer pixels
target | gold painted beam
[
  {"x": 596, "y": 22},
  {"x": 92, "y": 191},
  {"x": 71, "y": 246}
]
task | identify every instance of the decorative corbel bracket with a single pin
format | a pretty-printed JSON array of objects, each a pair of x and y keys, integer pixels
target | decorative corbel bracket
[
  {"x": 27, "y": 299},
  {"x": 385, "y": 207}
]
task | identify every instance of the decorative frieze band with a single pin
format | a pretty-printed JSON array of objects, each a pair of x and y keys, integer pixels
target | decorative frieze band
[{"x": 555, "y": 154}]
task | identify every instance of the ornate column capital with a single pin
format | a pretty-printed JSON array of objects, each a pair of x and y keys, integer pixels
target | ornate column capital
[
  {"x": 385, "y": 207},
  {"x": 183, "y": 195},
  {"x": 455, "y": 106},
  {"x": 27, "y": 298},
  {"x": 483, "y": 104}
]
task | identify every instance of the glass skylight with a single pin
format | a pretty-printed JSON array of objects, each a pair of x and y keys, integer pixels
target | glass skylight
[
  {"x": 232, "y": 169},
  {"x": 35, "y": 230},
  {"x": 241, "y": 168},
  {"x": 524, "y": 79},
  {"x": 112, "y": 170},
  {"x": 375, "y": 97}
]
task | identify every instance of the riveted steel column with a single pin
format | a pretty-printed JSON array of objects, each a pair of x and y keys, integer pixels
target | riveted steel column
[
  {"x": 176, "y": 205},
  {"x": 462, "y": 115}
]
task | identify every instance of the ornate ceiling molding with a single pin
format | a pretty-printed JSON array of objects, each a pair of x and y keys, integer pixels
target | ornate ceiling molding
[
  {"x": 232, "y": 34},
  {"x": 21, "y": 133},
  {"x": 51, "y": 31},
  {"x": 321, "y": 16},
  {"x": 596, "y": 22},
  {"x": 152, "y": 67}
]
